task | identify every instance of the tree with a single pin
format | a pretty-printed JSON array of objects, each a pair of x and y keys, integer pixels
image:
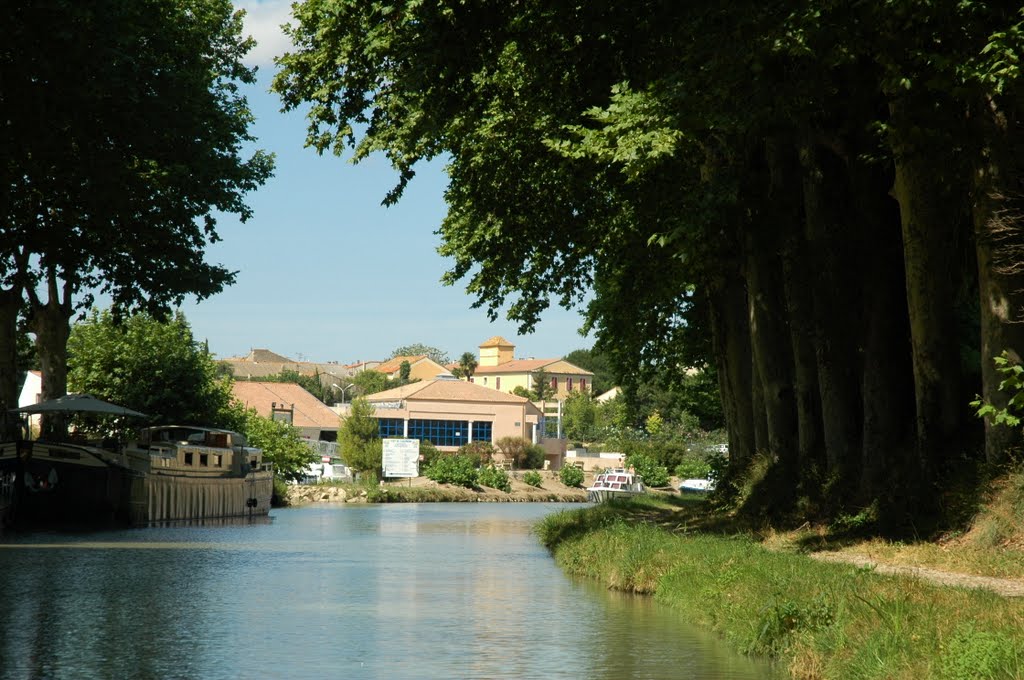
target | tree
[
  {"x": 403, "y": 372},
  {"x": 359, "y": 439},
  {"x": 418, "y": 349},
  {"x": 371, "y": 382},
  {"x": 579, "y": 415},
  {"x": 598, "y": 364},
  {"x": 150, "y": 365},
  {"x": 811, "y": 215},
  {"x": 310, "y": 383},
  {"x": 467, "y": 366},
  {"x": 542, "y": 389},
  {"x": 279, "y": 441},
  {"x": 111, "y": 180}
]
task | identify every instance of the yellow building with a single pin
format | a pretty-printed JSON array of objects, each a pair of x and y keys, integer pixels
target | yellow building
[
  {"x": 421, "y": 367},
  {"x": 500, "y": 370}
]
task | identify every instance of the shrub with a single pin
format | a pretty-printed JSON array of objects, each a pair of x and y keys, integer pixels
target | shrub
[
  {"x": 648, "y": 468},
  {"x": 514, "y": 448},
  {"x": 532, "y": 478},
  {"x": 534, "y": 457},
  {"x": 494, "y": 478},
  {"x": 429, "y": 453},
  {"x": 570, "y": 475},
  {"x": 480, "y": 452},
  {"x": 693, "y": 468},
  {"x": 453, "y": 469},
  {"x": 279, "y": 496}
]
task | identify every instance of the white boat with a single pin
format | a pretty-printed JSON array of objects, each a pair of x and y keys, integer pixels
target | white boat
[
  {"x": 696, "y": 486},
  {"x": 615, "y": 483}
]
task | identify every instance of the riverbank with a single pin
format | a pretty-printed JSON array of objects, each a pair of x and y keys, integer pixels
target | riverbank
[
  {"x": 423, "y": 490},
  {"x": 821, "y": 619}
]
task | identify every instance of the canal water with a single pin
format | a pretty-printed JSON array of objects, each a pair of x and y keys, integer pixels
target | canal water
[{"x": 461, "y": 590}]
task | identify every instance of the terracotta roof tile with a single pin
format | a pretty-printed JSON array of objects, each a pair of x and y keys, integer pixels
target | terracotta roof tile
[
  {"x": 309, "y": 411},
  {"x": 395, "y": 363},
  {"x": 446, "y": 390},
  {"x": 496, "y": 341}
]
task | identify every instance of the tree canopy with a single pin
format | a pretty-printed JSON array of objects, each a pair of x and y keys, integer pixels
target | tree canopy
[
  {"x": 417, "y": 349},
  {"x": 828, "y": 214},
  {"x": 149, "y": 365},
  {"x": 114, "y": 169}
]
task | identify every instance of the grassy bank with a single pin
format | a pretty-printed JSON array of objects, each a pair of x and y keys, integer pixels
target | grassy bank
[{"x": 823, "y": 620}]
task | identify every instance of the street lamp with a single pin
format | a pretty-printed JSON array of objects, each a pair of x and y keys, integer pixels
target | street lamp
[{"x": 343, "y": 390}]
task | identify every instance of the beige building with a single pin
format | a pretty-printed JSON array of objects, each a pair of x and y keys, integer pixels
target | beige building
[
  {"x": 450, "y": 413},
  {"x": 499, "y": 369},
  {"x": 292, "y": 404},
  {"x": 260, "y": 363}
]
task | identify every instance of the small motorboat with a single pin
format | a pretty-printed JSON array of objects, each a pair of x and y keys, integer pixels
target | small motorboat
[
  {"x": 696, "y": 486},
  {"x": 615, "y": 483}
]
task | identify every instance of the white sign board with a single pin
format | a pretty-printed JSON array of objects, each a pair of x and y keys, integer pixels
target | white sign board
[{"x": 401, "y": 457}]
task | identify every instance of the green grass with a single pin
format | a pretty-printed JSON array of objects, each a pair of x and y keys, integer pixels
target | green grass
[{"x": 823, "y": 620}]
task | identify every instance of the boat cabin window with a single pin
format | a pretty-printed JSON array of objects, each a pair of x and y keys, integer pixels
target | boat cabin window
[
  {"x": 204, "y": 460},
  {"x": 188, "y": 458},
  {"x": 217, "y": 460}
]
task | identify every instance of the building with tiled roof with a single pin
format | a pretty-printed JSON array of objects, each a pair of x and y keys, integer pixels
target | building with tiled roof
[
  {"x": 498, "y": 368},
  {"x": 291, "y": 403},
  {"x": 450, "y": 413},
  {"x": 421, "y": 367},
  {"x": 262, "y": 363}
]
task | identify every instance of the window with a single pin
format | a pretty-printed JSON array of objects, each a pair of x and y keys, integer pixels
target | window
[
  {"x": 390, "y": 427},
  {"x": 497, "y": 383},
  {"x": 204, "y": 460},
  {"x": 218, "y": 460},
  {"x": 583, "y": 384},
  {"x": 440, "y": 432},
  {"x": 485, "y": 380},
  {"x": 188, "y": 458},
  {"x": 568, "y": 384},
  {"x": 554, "y": 384},
  {"x": 482, "y": 431}
]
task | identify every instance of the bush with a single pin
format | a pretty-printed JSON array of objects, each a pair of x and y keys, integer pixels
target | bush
[
  {"x": 532, "y": 478},
  {"x": 534, "y": 457},
  {"x": 514, "y": 448},
  {"x": 480, "y": 452},
  {"x": 429, "y": 453},
  {"x": 648, "y": 468},
  {"x": 693, "y": 468},
  {"x": 453, "y": 469},
  {"x": 494, "y": 478},
  {"x": 279, "y": 497},
  {"x": 570, "y": 475}
]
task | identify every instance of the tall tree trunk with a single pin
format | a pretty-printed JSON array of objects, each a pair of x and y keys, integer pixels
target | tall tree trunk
[
  {"x": 727, "y": 297},
  {"x": 889, "y": 461},
  {"x": 836, "y": 301},
  {"x": 998, "y": 217},
  {"x": 50, "y": 323},
  {"x": 930, "y": 242},
  {"x": 10, "y": 373}
]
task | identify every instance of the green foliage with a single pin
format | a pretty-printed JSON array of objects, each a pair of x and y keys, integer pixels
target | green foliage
[
  {"x": 453, "y": 469},
  {"x": 359, "y": 438},
  {"x": 654, "y": 423},
  {"x": 370, "y": 382},
  {"x": 981, "y": 655},
  {"x": 495, "y": 478},
  {"x": 693, "y": 468},
  {"x": 150, "y": 365},
  {"x": 579, "y": 416},
  {"x": 533, "y": 478},
  {"x": 570, "y": 475},
  {"x": 467, "y": 366},
  {"x": 654, "y": 474},
  {"x": 417, "y": 349},
  {"x": 310, "y": 383},
  {"x": 521, "y": 391},
  {"x": 280, "y": 442},
  {"x": 598, "y": 364},
  {"x": 428, "y": 452},
  {"x": 1013, "y": 385},
  {"x": 534, "y": 458},
  {"x": 404, "y": 370},
  {"x": 480, "y": 452},
  {"x": 542, "y": 389}
]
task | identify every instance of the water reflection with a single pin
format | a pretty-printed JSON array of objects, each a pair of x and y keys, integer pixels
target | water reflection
[{"x": 397, "y": 591}]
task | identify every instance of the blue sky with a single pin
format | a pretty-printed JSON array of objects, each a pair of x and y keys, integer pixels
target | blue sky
[{"x": 328, "y": 274}]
